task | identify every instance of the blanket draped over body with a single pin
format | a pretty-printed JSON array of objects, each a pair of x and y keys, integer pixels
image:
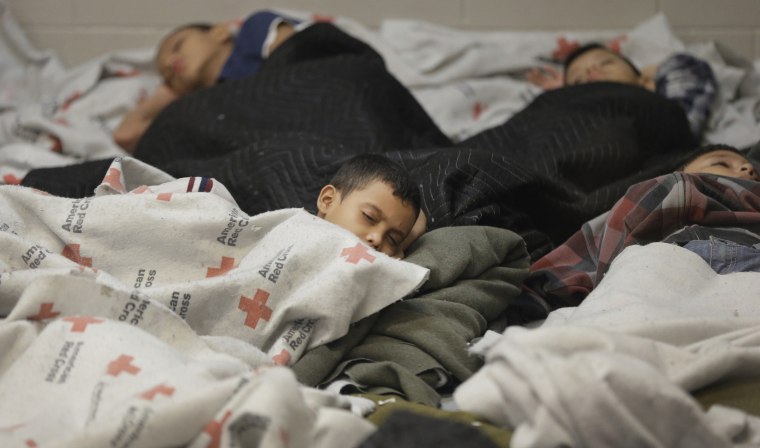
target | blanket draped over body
[
  {"x": 419, "y": 345},
  {"x": 276, "y": 138},
  {"x": 650, "y": 211}
]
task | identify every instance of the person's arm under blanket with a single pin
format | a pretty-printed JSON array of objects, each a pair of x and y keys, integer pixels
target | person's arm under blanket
[{"x": 649, "y": 212}]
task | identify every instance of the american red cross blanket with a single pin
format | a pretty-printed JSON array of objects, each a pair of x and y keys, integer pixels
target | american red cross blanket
[
  {"x": 158, "y": 294},
  {"x": 282, "y": 281}
]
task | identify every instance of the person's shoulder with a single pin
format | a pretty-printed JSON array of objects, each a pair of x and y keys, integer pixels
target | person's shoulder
[{"x": 684, "y": 61}]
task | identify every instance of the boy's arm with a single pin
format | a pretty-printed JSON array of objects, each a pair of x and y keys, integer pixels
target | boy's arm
[
  {"x": 136, "y": 122},
  {"x": 419, "y": 228}
]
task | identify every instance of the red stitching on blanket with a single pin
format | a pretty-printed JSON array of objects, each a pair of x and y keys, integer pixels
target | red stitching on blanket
[
  {"x": 72, "y": 252},
  {"x": 322, "y": 18},
  {"x": 46, "y": 312},
  {"x": 122, "y": 364},
  {"x": 80, "y": 323},
  {"x": 70, "y": 100},
  {"x": 113, "y": 179},
  {"x": 214, "y": 429},
  {"x": 283, "y": 359},
  {"x": 357, "y": 253},
  {"x": 162, "y": 389},
  {"x": 564, "y": 48},
  {"x": 477, "y": 109},
  {"x": 256, "y": 308},
  {"x": 226, "y": 266},
  {"x": 10, "y": 179}
]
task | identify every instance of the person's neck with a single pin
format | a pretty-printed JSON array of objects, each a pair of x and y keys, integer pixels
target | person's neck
[{"x": 216, "y": 64}]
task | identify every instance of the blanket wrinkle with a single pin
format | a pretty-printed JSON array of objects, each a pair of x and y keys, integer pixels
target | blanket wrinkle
[
  {"x": 631, "y": 357},
  {"x": 137, "y": 337},
  {"x": 412, "y": 341},
  {"x": 562, "y": 160}
]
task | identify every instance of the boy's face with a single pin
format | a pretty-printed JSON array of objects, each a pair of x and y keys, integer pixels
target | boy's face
[
  {"x": 187, "y": 59},
  {"x": 600, "y": 64},
  {"x": 373, "y": 214},
  {"x": 723, "y": 162}
]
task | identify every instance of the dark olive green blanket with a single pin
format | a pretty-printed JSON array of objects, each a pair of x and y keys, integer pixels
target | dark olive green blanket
[{"x": 414, "y": 346}]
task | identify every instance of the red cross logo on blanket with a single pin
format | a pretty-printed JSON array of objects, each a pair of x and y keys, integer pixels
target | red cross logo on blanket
[
  {"x": 46, "y": 312},
  {"x": 214, "y": 429},
  {"x": 140, "y": 190},
  {"x": 113, "y": 178},
  {"x": 226, "y": 266},
  {"x": 256, "y": 308},
  {"x": 564, "y": 48},
  {"x": 122, "y": 364},
  {"x": 81, "y": 322},
  {"x": 31, "y": 443},
  {"x": 167, "y": 197},
  {"x": 283, "y": 359},
  {"x": 10, "y": 179},
  {"x": 477, "y": 110},
  {"x": 71, "y": 251},
  {"x": 357, "y": 253},
  {"x": 162, "y": 389}
]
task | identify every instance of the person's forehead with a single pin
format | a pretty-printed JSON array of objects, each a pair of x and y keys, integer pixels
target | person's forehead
[
  {"x": 380, "y": 196},
  {"x": 591, "y": 55},
  {"x": 172, "y": 38},
  {"x": 723, "y": 154}
]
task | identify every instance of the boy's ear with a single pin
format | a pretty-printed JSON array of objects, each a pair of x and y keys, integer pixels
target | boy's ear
[
  {"x": 221, "y": 32},
  {"x": 327, "y": 197}
]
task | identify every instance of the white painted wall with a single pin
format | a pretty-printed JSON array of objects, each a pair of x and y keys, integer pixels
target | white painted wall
[{"x": 82, "y": 29}]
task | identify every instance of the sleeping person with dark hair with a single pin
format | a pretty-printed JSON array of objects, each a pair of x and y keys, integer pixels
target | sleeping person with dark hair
[
  {"x": 710, "y": 205},
  {"x": 681, "y": 77},
  {"x": 375, "y": 199},
  {"x": 199, "y": 55}
]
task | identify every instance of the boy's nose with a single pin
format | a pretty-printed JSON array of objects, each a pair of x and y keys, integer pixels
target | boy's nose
[
  {"x": 592, "y": 73},
  {"x": 748, "y": 170},
  {"x": 373, "y": 240}
]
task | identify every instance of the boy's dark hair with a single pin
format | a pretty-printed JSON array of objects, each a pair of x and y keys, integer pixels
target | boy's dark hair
[
  {"x": 575, "y": 54},
  {"x": 710, "y": 148},
  {"x": 201, "y": 26},
  {"x": 359, "y": 171}
]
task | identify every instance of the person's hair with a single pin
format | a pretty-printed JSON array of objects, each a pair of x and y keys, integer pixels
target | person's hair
[
  {"x": 200, "y": 26},
  {"x": 578, "y": 52},
  {"x": 359, "y": 171},
  {"x": 702, "y": 150}
]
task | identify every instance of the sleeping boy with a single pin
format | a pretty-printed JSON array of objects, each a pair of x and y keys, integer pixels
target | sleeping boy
[
  {"x": 375, "y": 199},
  {"x": 681, "y": 77},
  {"x": 716, "y": 216},
  {"x": 196, "y": 56}
]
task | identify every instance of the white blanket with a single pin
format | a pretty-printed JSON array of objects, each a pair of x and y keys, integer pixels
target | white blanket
[
  {"x": 467, "y": 81},
  {"x": 53, "y": 116},
  {"x": 134, "y": 317},
  {"x": 616, "y": 370}
]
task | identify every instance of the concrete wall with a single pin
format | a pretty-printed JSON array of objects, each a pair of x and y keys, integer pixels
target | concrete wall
[{"x": 81, "y": 29}]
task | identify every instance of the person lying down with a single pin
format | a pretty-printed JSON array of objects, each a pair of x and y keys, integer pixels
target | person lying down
[
  {"x": 283, "y": 281},
  {"x": 198, "y": 55},
  {"x": 710, "y": 205}
]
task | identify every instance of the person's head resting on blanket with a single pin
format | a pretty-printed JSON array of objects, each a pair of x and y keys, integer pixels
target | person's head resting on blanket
[
  {"x": 720, "y": 159},
  {"x": 375, "y": 199},
  {"x": 595, "y": 62}
]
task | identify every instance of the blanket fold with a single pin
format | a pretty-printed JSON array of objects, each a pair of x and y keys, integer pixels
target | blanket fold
[{"x": 418, "y": 345}]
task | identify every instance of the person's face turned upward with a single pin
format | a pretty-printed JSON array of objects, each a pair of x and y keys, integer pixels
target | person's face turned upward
[
  {"x": 600, "y": 64},
  {"x": 723, "y": 162}
]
